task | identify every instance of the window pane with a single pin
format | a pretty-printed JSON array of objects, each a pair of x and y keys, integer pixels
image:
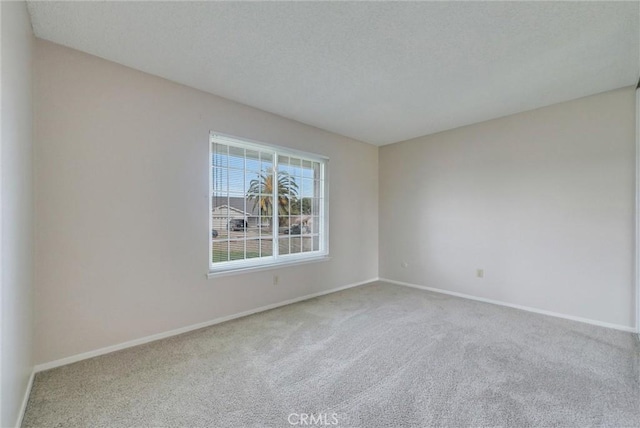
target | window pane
[
  {"x": 307, "y": 221},
  {"x": 283, "y": 161},
  {"x": 253, "y": 248},
  {"x": 236, "y": 157},
  {"x": 253, "y": 181},
  {"x": 265, "y": 226},
  {"x": 296, "y": 166},
  {"x": 307, "y": 243},
  {"x": 283, "y": 225},
  {"x": 296, "y": 244},
  {"x": 220, "y": 253},
  {"x": 308, "y": 188},
  {"x": 236, "y": 182},
  {"x": 219, "y": 154},
  {"x": 266, "y": 162},
  {"x": 217, "y": 222},
  {"x": 266, "y": 247},
  {"x": 258, "y": 203},
  {"x": 219, "y": 181},
  {"x": 307, "y": 169},
  {"x": 237, "y": 223},
  {"x": 295, "y": 227},
  {"x": 315, "y": 225},
  {"x": 315, "y": 207},
  {"x": 283, "y": 165},
  {"x": 295, "y": 205},
  {"x": 236, "y": 250},
  {"x": 283, "y": 246},
  {"x": 252, "y": 160},
  {"x": 318, "y": 188},
  {"x": 305, "y": 206}
]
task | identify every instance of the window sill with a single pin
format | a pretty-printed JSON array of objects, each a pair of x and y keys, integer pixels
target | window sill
[{"x": 276, "y": 265}]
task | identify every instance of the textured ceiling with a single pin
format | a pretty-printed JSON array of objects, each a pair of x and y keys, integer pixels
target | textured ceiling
[{"x": 379, "y": 72}]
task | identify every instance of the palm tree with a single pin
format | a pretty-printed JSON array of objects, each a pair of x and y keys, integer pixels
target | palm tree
[{"x": 261, "y": 191}]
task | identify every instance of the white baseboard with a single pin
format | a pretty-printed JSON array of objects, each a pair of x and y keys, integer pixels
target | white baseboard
[
  {"x": 25, "y": 400},
  {"x": 511, "y": 305},
  {"x": 154, "y": 337}
]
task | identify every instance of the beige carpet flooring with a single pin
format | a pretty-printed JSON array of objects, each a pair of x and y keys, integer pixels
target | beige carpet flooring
[{"x": 378, "y": 355}]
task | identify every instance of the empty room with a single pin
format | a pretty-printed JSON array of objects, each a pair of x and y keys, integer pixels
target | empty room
[{"x": 349, "y": 214}]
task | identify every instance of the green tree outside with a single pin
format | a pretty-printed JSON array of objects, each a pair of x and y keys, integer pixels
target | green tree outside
[{"x": 260, "y": 191}]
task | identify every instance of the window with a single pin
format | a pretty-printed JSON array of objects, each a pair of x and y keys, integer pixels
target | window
[{"x": 267, "y": 205}]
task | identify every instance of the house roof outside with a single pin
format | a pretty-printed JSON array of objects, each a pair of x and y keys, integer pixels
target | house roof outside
[{"x": 236, "y": 204}]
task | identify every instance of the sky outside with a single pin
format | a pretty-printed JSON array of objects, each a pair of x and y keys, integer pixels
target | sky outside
[{"x": 233, "y": 172}]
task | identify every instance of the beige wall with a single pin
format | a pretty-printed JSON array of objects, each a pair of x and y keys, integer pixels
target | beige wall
[
  {"x": 543, "y": 201},
  {"x": 122, "y": 201},
  {"x": 16, "y": 195}
]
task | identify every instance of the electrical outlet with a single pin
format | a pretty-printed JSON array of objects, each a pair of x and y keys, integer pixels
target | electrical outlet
[
  {"x": 404, "y": 265},
  {"x": 275, "y": 279},
  {"x": 480, "y": 273}
]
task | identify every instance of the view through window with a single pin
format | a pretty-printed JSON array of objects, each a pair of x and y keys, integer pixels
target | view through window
[{"x": 267, "y": 204}]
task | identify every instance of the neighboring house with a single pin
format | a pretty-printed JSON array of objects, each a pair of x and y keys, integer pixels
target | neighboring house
[{"x": 225, "y": 209}]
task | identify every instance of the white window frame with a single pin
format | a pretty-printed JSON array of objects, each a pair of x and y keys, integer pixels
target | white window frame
[{"x": 276, "y": 260}]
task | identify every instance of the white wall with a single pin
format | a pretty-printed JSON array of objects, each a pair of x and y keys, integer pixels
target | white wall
[
  {"x": 16, "y": 214},
  {"x": 121, "y": 205},
  {"x": 543, "y": 201}
]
